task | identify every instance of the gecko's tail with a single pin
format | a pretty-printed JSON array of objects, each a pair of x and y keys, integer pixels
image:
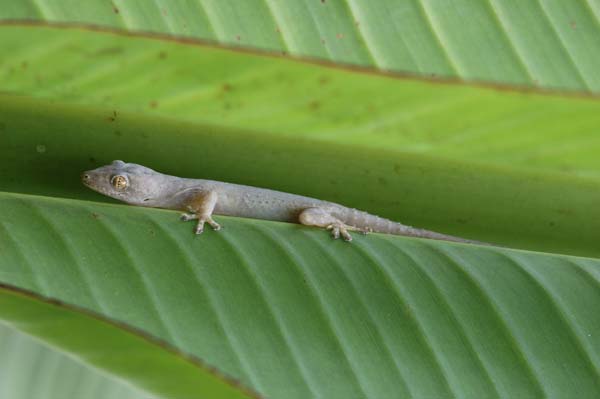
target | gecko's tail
[
  {"x": 403, "y": 230},
  {"x": 378, "y": 224}
]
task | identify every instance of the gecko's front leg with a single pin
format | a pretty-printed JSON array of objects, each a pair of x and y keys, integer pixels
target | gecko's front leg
[
  {"x": 201, "y": 208},
  {"x": 321, "y": 218}
]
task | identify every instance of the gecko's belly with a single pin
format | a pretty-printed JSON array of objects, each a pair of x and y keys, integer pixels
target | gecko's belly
[{"x": 284, "y": 208}]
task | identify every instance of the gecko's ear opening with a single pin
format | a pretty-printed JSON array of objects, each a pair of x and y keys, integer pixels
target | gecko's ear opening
[{"x": 118, "y": 163}]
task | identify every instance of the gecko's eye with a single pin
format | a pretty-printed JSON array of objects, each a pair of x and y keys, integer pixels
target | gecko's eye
[{"x": 119, "y": 182}]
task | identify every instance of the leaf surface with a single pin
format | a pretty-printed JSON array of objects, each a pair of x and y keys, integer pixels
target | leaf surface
[
  {"x": 140, "y": 360},
  {"x": 24, "y": 359},
  {"x": 293, "y": 314},
  {"x": 281, "y": 307},
  {"x": 551, "y": 43},
  {"x": 270, "y": 96}
]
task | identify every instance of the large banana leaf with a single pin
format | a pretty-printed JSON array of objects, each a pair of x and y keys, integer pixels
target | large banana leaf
[
  {"x": 549, "y": 43},
  {"x": 294, "y": 315},
  {"x": 280, "y": 307},
  {"x": 24, "y": 359},
  {"x": 279, "y": 97},
  {"x": 137, "y": 358}
]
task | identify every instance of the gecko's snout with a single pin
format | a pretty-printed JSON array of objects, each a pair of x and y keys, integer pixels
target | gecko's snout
[{"x": 87, "y": 178}]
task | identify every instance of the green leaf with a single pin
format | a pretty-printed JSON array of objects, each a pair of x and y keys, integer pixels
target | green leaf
[
  {"x": 55, "y": 375},
  {"x": 142, "y": 361},
  {"x": 279, "y": 97},
  {"x": 552, "y": 44},
  {"x": 293, "y": 314},
  {"x": 75, "y": 128},
  {"x": 281, "y": 307}
]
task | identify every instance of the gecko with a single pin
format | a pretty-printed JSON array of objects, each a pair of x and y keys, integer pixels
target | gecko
[{"x": 200, "y": 199}]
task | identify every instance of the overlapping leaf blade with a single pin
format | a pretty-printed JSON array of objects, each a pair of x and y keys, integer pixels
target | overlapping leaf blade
[
  {"x": 114, "y": 348},
  {"x": 280, "y": 97},
  {"x": 294, "y": 315},
  {"x": 552, "y": 44},
  {"x": 57, "y": 376}
]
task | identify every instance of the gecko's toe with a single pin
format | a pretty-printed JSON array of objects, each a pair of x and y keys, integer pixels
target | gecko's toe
[
  {"x": 199, "y": 227},
  {"x": 215, "y": 226},
  {"x": 186, "y": 217},
  {"x": 335, "y": 231},
  {"x": 345, "y": 235}
]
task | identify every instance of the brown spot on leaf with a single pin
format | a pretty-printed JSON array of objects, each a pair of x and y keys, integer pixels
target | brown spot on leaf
[
  {"x": 340, "y": 35},
  {"x": 153, "y": 104},
  {"x": 24, "y": 65},
  {"x": 563, "y": 211},
  {"x": 573, "y": 24},
  {"x": 162, "y": 55},
  {"x": 226, "y": 87},
  {"x": 113, "y": 117},
  {"x": 323, "y": 80},
  {"x": 314, "y": 105},
  {"x": 109, "y": 51},
  {"x": 238, "y": 38},
  {"x": 115, "y": 9},
  {"x": 95, "y": 215}
]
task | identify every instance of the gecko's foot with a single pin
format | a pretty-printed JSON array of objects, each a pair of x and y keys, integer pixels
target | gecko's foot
[
  {"x": 186, "y": 217},
  {"x": 215, "y": 226},
  {"x": 338, "y": 229},
  {"x": 200, "y": 226}
]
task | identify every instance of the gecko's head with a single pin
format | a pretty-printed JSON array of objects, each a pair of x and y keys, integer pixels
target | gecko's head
[{"x": 128, "y": 182}]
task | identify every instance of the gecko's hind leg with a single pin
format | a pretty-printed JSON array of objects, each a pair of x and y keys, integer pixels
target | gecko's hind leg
[
  {"x": 321, "y": 218},
  {"x": 201, "y": 208}
]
